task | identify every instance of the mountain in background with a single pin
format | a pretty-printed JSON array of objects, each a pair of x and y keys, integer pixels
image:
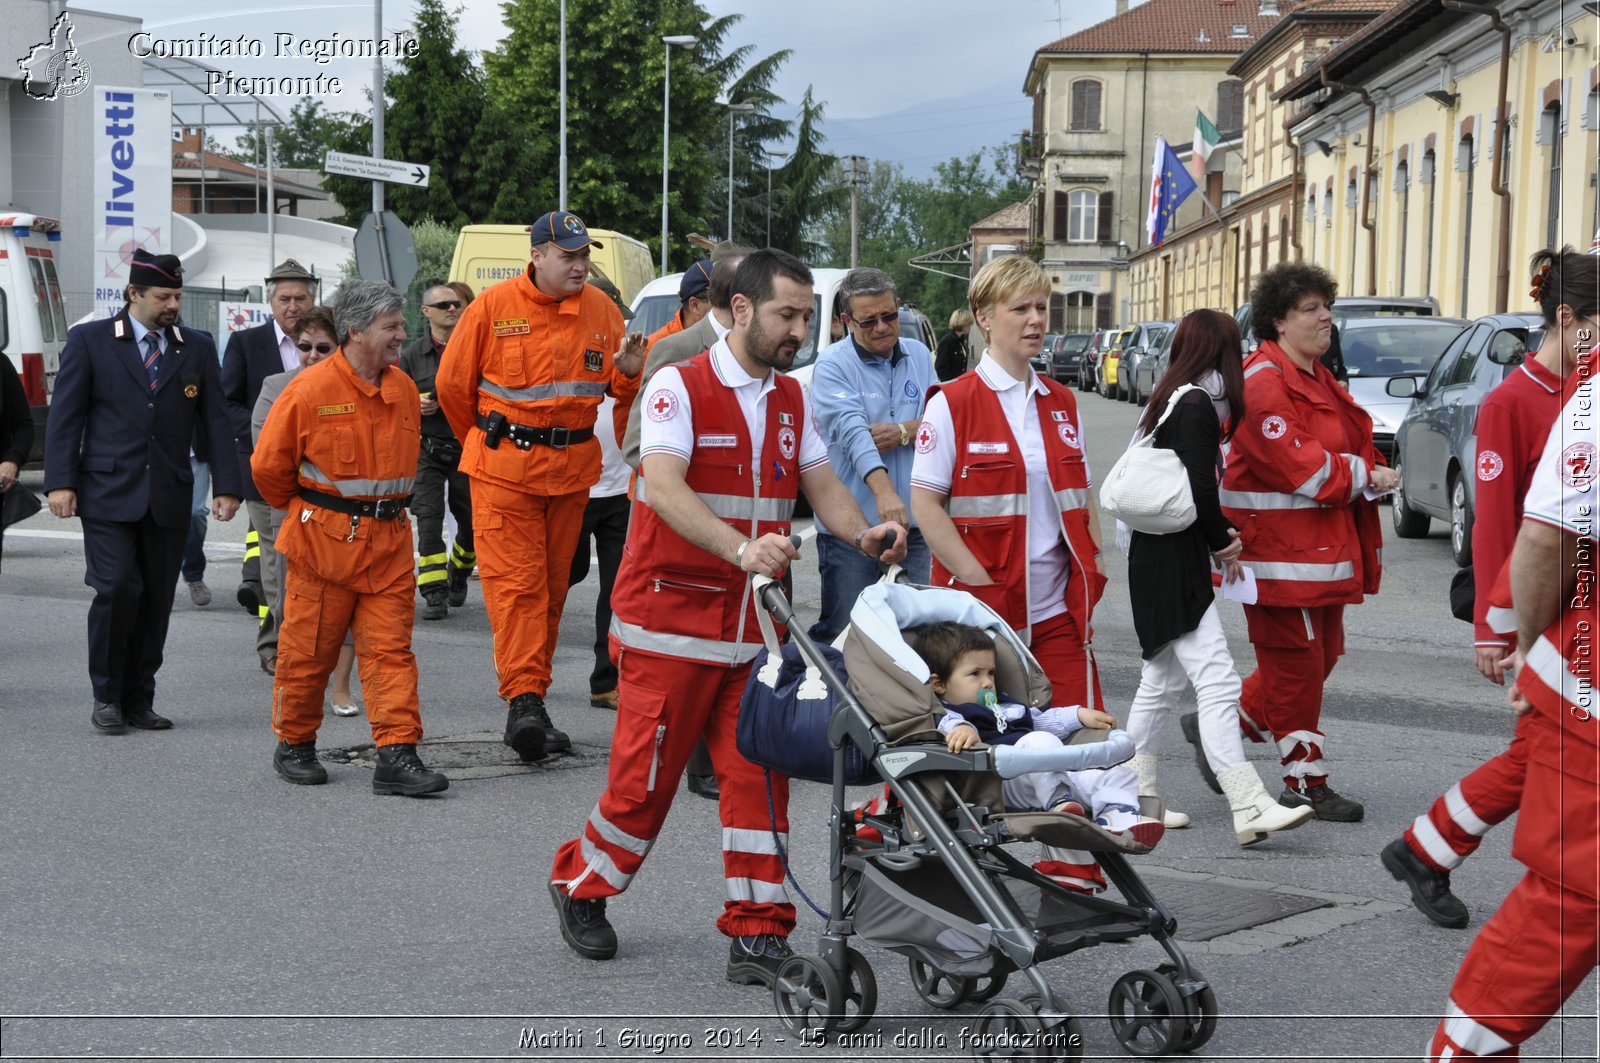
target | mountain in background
[{"x": 926, "y": 134}]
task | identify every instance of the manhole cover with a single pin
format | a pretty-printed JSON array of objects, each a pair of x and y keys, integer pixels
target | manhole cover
[
  {"x": 1206, "y": 910},
  {"x": 473, "y": 756}
]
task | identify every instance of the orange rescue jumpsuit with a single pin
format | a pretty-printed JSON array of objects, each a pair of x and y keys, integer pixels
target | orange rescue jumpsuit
[
  {"x": 334, "y": 433},
  {"x": 543, "y": 363}
]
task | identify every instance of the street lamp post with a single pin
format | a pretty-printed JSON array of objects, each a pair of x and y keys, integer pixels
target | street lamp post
[
  {"x": 681, "y": 41},
  {"x": 770, "y": 156},
  {"x": 733, "y": 109}
]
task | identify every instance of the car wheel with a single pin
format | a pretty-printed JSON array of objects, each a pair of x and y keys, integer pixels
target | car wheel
[
  {"x": 1408, "y": 523},
  {"x": 1460, "y": 521}
]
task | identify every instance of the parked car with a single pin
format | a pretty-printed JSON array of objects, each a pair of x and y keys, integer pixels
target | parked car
[
  {"x": 1089, "y": 364},
  {"x": 1351, "y": 306},
  {"x": 1378, "y": 348},
  {"x": 1152, "y": 365},
  {"x": 1066, "y": 355},
  {"x": 914, "y": 325},
  {"x": 1109, "y": 385},
  {"x": 1436, "y": 446},
  {"x": 1138, "y": 346}
]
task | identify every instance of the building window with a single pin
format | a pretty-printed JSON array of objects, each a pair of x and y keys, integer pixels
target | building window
[
  {"x": 1402, "y": 177},
  {"x": 1327, "y": 205},
  {"x": 1058, "y": 305},
  {"x": 1266, "y": 235},
  {"x": 1080, "y": 313},
  {"x": 1085, "y": 105},
  {"x": 1427, "y": 175},
  {"x": 1230, "y": 105},
  {"x": 1283, "y": 238},
  {"x": 1058, "y": 217},
  {"x": 1553, "y": 137},
  {"x": 1082, "y": 216}
]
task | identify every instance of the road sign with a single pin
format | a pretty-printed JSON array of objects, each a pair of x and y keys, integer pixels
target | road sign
[
  {"x": 390, "y": 170},
  {"x": 385, "y": 252}
]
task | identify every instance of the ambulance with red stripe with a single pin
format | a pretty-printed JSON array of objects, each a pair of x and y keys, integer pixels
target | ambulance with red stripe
[{"x": 33, "y": 319}]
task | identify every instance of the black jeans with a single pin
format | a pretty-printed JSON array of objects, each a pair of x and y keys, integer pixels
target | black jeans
[{"x": 605, "y": 520}]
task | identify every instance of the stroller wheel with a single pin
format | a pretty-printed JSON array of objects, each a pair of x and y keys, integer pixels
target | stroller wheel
[
  {"x": 937, "y": 988},
  {"x": 1202, "y": 1011},
  {"x": 1009, "y": 1029},
  {"x": 987, "y": 987},
  {"x": 860, "y": 995},
  {"x": 1147, "y": 1013},
  {"x": 807, "y": 995}
]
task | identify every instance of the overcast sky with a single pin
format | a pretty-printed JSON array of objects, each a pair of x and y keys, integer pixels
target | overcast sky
[{"x": 864, "y": 57}]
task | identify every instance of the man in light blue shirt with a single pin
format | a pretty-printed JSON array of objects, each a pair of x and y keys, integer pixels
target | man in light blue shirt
[{"x": 867, "y": 394}]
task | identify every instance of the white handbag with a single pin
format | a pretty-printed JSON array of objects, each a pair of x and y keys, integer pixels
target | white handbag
[{"x": 1148, "y": 488}]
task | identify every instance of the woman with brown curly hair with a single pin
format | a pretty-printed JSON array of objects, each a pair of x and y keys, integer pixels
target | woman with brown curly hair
[{"x": 1300, "y": 470}]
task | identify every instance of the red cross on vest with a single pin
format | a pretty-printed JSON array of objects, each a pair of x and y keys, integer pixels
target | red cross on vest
[{"x": 662, "y": 405}]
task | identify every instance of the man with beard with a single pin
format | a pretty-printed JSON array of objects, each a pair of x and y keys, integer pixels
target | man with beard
[
  {"x": 725, "y": 444},
  {"x": 134, "y": 391}
]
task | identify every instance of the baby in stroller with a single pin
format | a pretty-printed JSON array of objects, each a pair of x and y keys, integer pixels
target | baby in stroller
[{"x": 961, "y": 660}]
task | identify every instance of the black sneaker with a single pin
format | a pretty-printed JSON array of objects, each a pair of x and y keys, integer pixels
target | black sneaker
[
  {"x": 1430, "y": 889},
  {"x": 299, "y": 764},
  {"x": 704, "y": 785},
  {"x": 456, "y": 585},
  {"x": 434, "y": 607},
  {"x": 583, "y": 925},
  {"x": 530, "y": 731},
  {"x": 1325, "y": 803},
  {"x": 251, "y": 597},
  {"x": 401, "y": 771},
  {"x": 755, "y": 959},
  {"x": 1190, "y": 723}
]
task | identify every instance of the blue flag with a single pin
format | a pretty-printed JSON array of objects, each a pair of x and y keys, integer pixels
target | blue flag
[{"x": 1170, "y": 185}]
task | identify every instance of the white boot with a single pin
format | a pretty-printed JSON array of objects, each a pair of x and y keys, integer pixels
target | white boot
[
  {"x": 1145, "y": 768},
  {"x": 1255, "y": 813}
]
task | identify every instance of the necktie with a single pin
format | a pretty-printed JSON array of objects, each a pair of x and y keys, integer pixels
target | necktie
[{"x": 152, "y": 357}]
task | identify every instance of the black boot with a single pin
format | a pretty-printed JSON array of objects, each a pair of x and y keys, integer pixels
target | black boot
[
  {"x": 529, "y": 730},
  {"x": 299, "y": 764},
  {"x": 584, "y": 926},
  {"x": 1190, "y": 724},
  {"x": 108, "y": 718},
  {"x": 401, "y": 771},
  {"x": 1326, "y": 804},
  {"x": 433, "y": 606},
  {"x": 456, "y": 584},
  {"x": 1430, "y": 889}
]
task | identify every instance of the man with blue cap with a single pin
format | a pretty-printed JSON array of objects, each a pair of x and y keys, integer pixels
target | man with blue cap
[{"x": 695, "y": 302}]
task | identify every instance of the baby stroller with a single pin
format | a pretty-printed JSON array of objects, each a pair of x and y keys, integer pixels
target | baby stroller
[{"x": 931, "y": 877}]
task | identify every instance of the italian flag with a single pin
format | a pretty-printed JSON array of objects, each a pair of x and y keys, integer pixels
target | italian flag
[{"x": 1206, "y": 139}]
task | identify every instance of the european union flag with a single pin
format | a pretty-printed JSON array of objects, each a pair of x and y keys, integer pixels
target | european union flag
[{"x": 1170, "y": 185}]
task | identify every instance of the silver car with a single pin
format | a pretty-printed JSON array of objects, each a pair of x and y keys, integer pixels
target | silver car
[
  {"x": 1135, "y": 351},
  {"x": 1378, "y": 348}
]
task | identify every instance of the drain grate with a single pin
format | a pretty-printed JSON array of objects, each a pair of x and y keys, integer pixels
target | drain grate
[
  {"x": 1207, "y": 910},
  {"x": 474, "y": 756}
]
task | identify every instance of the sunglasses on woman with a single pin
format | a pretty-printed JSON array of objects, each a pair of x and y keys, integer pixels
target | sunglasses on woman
[{"x": 320, "y": 348}]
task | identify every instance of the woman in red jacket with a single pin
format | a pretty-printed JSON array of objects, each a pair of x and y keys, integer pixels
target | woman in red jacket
[
  {"x": 1000, "y": 486},
  {"x": 1299, "y": 472}
]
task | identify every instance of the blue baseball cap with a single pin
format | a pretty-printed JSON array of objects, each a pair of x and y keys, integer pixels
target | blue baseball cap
[
  {"x": 695, "y": 281},
  {"x": 564, "y": 229}
]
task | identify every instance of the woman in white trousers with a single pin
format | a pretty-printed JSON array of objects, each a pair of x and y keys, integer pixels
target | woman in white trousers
[{"x": 1169, "y": 578}]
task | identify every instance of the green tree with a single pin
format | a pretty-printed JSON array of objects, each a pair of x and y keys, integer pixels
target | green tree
[
  {"x": 311, "y": 132},
  {"x": 806, "y": 189},
  {"x": 436, "y": 246}
]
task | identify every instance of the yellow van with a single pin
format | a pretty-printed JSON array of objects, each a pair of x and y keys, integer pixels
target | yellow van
[{"x": 489, "y": 254}]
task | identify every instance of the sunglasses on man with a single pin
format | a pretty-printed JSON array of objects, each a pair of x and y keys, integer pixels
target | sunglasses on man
[
  {"x": 320, "y": 348},
  {"x": 448, "y": 304},
  {"x": 870, "y": 324}
]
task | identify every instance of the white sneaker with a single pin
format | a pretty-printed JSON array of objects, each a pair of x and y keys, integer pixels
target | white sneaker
[{"x": 345, "y": 709}]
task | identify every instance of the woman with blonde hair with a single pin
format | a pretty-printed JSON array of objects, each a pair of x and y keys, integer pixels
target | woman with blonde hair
[
  {"x": 950, "y": 358},
  {"x": 1000, "y": 485}
]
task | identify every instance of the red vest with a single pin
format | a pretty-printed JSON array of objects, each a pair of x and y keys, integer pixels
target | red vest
[
  {"x": 674, "y": 599},
  {"x": 1296, "y": 468},
  {"x": 989, "y": 499}
]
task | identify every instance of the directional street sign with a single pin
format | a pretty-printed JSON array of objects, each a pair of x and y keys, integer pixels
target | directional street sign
[{"x": 390, "y": 170}]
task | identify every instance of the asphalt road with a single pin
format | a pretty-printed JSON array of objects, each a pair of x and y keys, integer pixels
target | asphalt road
[{"x": 167, "y": 896}]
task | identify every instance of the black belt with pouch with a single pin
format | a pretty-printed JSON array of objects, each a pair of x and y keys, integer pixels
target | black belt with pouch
[
  {"x": 525, "y": 437},
  {"x": 379, "y": 509}
]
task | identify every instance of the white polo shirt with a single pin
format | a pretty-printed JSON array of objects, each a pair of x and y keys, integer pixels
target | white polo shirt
[
  {"x": 933, "y": 469},
  {"x": 1564, "y": 491}
]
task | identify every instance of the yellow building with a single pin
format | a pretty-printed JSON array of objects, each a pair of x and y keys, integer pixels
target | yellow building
[
  {"x": 1421, "y": 188},
  {"x": 1101, "y": 96},
  {"x": 1211, "y": 260}
]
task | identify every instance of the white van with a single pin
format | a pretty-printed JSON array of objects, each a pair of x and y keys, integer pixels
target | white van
[{"x": 33, "y": 319}]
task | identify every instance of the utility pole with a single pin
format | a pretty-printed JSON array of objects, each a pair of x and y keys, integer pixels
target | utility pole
[{"x": 857, "y": 176}]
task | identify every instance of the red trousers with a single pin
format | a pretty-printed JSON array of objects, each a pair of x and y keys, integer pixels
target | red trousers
[
  {"x": 524, "y": 544},
  {"x": 316, "y": 615},
  {"x": 1296, "y": 650},
  {"x": 1528, "y": 958},
  {"x": 664, "y": 706},
  {"x": 1453, "y": 827},
  {"x": 1059, "y": 649}
]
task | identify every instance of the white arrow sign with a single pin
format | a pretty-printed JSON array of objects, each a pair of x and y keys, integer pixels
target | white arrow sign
[{"x": 390, "y": 170}]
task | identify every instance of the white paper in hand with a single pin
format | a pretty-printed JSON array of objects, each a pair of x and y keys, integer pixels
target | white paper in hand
[{"x": 1242, "y": 590}]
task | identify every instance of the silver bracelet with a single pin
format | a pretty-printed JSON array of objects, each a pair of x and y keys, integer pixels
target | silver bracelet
[{"x": 738, "y": 555}]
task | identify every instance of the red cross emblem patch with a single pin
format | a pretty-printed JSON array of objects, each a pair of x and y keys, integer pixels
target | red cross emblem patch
[
  {"x": 926, "y": 438},
  {"x": 1577, "y": 466},
  {"x": 661, "y": 405},
  {"x": 1490, "y": 465}
]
